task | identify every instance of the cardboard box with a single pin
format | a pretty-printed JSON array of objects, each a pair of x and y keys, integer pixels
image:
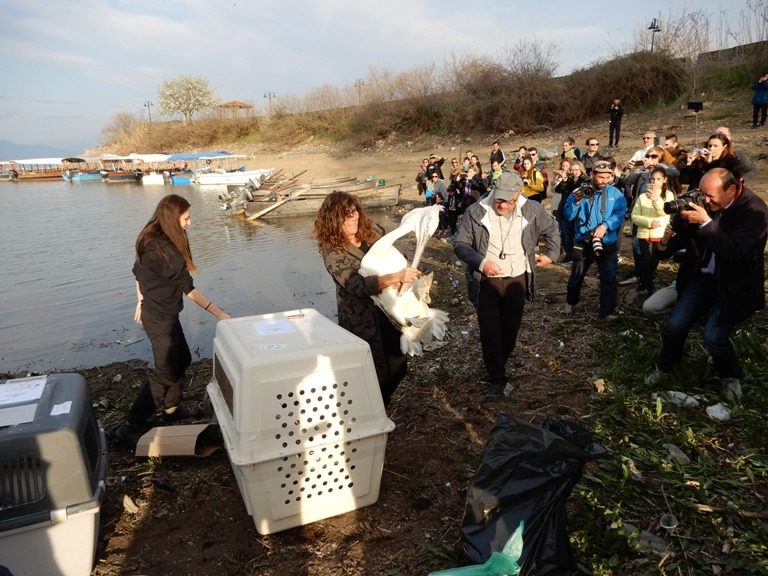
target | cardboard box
[{"x": 179, "y": 440}]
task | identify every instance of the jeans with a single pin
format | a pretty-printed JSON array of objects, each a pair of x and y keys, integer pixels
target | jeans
[
  {"x": 566, "y": 234},
  {"x": 607, "y": 265},
  {"x": 699, "y": 298},
  {"x": 614, "y": 131},
  {"x": 499, "y": 314},
  {"x": 647, "y": 264},
  {"x": 759, "y": 110}
]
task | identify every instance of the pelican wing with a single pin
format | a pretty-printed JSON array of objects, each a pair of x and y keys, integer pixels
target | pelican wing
[{"x": 408, "y": 309}]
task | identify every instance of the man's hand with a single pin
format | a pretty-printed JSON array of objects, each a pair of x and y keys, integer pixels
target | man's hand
[
  {"x": 491, "y": 269},
  {"x": 542, "y": 260},
  {"x": 695, "y": 214},
  {"x": 600, "y": 231}
]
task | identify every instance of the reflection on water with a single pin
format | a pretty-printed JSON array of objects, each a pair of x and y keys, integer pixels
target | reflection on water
[{"x": 66, "y": 288}]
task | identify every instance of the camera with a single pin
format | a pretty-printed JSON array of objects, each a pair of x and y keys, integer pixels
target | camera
[
  {"x": 597, "y": 246},
  {"x": 694, "y": 196},
  {"x": 587, "y": 190}
]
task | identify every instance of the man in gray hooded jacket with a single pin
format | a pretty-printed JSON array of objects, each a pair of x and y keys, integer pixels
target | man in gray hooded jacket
[{"x": 498, "y": 239}]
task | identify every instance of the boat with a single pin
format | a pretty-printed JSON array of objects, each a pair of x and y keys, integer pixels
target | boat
[
  {"x": 5, "y": 171},
  {"x": 120, "y": 169},
  {"x": 305, "y": 201},
  {"x": 152, "y": 166},
  {"x": 80, "y": 170},
  {"x": 185, "y": 164},
  {"x": 36, "y": 169}
]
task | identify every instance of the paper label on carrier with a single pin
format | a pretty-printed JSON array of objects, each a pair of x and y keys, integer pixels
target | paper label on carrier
[
  {"x": 272, "y": 347},
  {"x": 22, "y": 390},
  {"x": 63, "y": 408},
  {"x": 273, "y": 327}
]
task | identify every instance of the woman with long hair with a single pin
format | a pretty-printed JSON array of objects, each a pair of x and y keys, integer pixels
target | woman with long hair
[
  {"x": 718, "y": 154},
  {"x": 344, "y": 234},
  {"x": 649, "y": 218},
  {"x": 162, "y": 269},
  {"x": 533, "y": 181}
]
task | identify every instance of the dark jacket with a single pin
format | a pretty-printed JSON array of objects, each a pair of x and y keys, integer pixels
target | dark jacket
[
  {"x": 761, "y": 93},
  {"x": 472, "y": 237},
  {"x": 737, "y": 240},
  {"x": 616, "y": 112},
  {"x": 163, "y": 278}
]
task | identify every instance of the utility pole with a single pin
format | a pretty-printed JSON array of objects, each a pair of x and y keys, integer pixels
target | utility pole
[
  {"x": 654, "y": 27},
  {"x": 148, "y": 105},
  {"x": 269, "y": 96}
]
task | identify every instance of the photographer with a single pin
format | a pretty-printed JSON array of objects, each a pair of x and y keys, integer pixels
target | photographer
[
  {"x": 597, "y": 211},
  {"x": 718, "y": 154},
  {"x": 723, "y": 229},
  {"x": 533, "y": 181},
  {"x": 573, "y": 180}
]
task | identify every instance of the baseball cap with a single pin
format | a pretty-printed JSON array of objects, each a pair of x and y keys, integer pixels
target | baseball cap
[
  {"x": 602, "y": 167},
  {"x": 507, "y": 186}
]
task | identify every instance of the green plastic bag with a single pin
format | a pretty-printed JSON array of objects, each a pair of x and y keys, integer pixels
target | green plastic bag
[{"x": 502, "y": 563}]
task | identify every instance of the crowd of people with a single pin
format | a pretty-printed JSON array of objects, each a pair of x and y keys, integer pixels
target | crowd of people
[
  {"x": 666, "y": 201},
  {"x": 693, "y": 206}
]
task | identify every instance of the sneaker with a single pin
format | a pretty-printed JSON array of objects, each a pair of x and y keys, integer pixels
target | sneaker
[
  {"x": 495, "y": 392},
  {"x": 628, "y": 281},
  {"x": 568, "y": 308},
  {"x": 508, "y": 389},
  {"x": 655, "y": 377},
  {"x": 732, "y": 389},
  {"x": 128, "y": 434},
  {"x": 608, "y": 318}
]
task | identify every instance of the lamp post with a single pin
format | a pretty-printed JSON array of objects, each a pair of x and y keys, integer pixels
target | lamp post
[
  {"x": 654, "y": 27},
  {"x": 269, "y": 96},
  {"x": 359, "y": 85},
  {"x": 148, "y": 105}
]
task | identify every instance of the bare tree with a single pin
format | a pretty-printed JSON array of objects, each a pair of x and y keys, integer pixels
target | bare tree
[{"x": 120, "y": 126}]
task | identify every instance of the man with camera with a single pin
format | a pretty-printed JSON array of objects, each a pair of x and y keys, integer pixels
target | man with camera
[
  {"x": 497, "y": 239},
  {"x": 723, "y": 228},
  {"x": 596, "y": 209}
]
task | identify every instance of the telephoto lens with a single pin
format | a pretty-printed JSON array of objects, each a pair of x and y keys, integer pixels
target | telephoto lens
[{"x": 597, "y": 246}]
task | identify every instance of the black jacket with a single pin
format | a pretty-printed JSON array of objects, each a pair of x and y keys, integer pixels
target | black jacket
[{"x": 738, "y": 240}]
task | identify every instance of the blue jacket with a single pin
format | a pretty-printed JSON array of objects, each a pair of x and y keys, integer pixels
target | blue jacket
[
  {"x": 761, "y": 92},
  {"x": 587, "y": 214}
]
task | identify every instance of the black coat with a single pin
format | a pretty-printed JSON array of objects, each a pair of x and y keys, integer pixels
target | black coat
[{"x": 738, "y": 240}]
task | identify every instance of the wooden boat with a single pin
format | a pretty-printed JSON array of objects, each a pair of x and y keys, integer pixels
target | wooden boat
[
  {"x": 330, "y": 182},
  {"x": 306, "y": 200},
  {"x": 36, "y": 169}
]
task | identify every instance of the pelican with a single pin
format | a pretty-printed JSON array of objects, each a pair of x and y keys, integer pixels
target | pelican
[{"x": 408, "y": 308}]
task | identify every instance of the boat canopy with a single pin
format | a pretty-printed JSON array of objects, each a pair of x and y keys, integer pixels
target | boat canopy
[
  {"x": 187, "y": 156},
  {"x": 39, "y": 162},
  {"x": 148, "y": 157}
]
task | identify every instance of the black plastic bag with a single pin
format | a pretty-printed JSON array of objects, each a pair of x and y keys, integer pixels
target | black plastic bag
[{"x": 527, "y": 473}]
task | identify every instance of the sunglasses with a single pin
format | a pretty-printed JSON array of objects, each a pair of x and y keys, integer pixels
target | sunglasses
[
  {"x": 594, "y": 143},
  {"x": 651, "y": 155},
  {"x": 647, "y": 137}
]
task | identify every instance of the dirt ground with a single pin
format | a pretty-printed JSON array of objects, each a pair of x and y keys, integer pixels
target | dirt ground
[{"x": 186, "y": 515}]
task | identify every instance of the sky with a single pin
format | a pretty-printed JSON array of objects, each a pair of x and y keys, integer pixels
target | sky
[{"x": 70, "y": 67}]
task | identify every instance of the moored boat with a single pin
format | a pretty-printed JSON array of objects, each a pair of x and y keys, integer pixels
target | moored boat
[
  {"x": 36, "y": 169},
  {"x": 185, "y": 164},
  {"x": 306, "y": 200}
]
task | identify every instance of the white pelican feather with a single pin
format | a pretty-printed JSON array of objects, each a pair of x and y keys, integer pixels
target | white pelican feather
[{"x": 408, "y": 308}]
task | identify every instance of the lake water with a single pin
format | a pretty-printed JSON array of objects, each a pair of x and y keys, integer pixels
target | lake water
[{"x": 67, "y": 293}]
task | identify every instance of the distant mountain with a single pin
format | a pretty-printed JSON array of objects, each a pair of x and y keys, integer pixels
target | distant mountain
[{"x": 12, "y": 151}]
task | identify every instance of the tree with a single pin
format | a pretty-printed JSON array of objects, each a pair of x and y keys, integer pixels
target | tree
[{"x": 185, "y": 95}]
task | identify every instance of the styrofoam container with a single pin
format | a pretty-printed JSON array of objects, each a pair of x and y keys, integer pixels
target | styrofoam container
[{"x": 301, "y": 414}]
